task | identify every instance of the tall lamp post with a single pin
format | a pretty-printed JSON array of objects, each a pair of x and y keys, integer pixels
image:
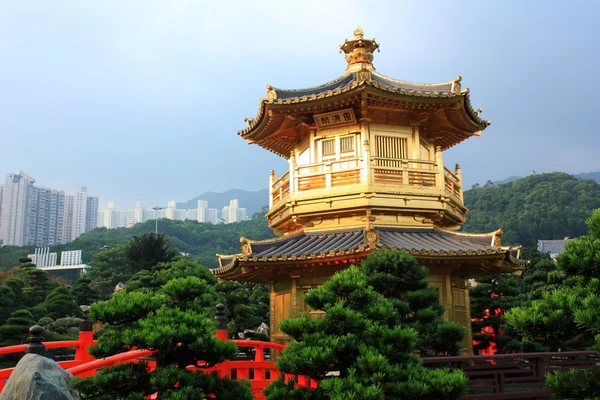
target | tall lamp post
[{"x": 156, "y": 210}]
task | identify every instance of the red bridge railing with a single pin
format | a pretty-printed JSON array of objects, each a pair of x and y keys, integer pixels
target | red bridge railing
[
  {"x": 260, "y": 371},
  {"x": 493, "y": 377}
]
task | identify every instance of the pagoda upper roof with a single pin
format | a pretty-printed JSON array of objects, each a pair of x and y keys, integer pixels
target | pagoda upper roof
[
  {"x": 281, "y": 104},
  {"x": 444, "y": 89},
  {"x": 322, "y": 246}
]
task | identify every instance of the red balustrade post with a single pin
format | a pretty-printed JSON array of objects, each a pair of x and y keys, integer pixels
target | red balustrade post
[{"x": 86, "y": 339}]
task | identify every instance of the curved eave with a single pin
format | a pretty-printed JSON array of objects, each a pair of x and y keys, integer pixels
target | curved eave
[{"x": 502, "y": 261}]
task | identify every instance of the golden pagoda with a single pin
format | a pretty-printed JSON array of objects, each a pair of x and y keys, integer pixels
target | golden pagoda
[{"x": 366, "y": 171}]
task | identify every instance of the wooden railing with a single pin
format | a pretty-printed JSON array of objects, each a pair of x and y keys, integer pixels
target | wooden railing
[
  {"x": 280, "y": 189},
  {"x": 513, "y": 376},
  {"x": 328, "y": 174},
  {"x": 351, "y": 171},
  {"x": 452, "y": 184},
  {"x": 404, "y": 172}
]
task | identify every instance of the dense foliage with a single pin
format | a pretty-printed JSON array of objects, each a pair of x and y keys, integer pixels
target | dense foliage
[
  {"x": 493, "y": 295},
  {"x": 174, "y": 322},
  {"x": 541, "y": 206},
  {"x": 567, "y": 318},
  {"x": 398, "y": 277},
  {"x": 359, "y": 349},
  {"x": 201, "y": 240}
]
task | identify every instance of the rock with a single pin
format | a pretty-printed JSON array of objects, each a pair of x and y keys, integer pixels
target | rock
[{"x": 38, "y": 378}]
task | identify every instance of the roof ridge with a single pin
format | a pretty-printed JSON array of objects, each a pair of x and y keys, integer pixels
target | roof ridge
[
  {"x": 336, "y": 80},
  {"x": 414, "y": 83}
]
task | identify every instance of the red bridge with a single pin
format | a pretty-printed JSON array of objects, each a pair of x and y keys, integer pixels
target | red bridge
[{"x": 501, "y": 376}]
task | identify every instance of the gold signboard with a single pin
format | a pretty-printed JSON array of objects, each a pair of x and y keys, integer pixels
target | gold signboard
[{"x": 335, "y": 118}]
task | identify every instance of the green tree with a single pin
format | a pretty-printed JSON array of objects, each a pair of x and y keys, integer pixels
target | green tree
[
  {"x": 60, "y": 303},
  {"x": 490, "y": 298},
  {"x": 109, "y": 267},
  {"x": 148, "y": 250},
  {"x": 83, "y": 292},
  {"x": 37, "y": 286},
  {"x": 359, "y": 349},
  {"x": 7, "y": 301},
  {"x": 16, "y": 329},
  {"x": 177, "y": 326},
  {"x": 399, "y": 277},
  {"x": 567, "y": 318},
  {"x": 247, "y": 306}
]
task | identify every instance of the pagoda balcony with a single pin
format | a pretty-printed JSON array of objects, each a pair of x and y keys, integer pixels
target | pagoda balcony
[{"x": 381, "y": 174}]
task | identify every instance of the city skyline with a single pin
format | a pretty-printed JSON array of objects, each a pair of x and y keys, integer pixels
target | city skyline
[
  {"x": 160, "y": 96},
  {"x": 111, "y": 217},
  {"x": 32, "y": 215}
]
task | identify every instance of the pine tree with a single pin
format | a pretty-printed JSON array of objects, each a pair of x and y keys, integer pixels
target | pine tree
[
  {"x": 176, "y": 324},
  {"x": 15, "y": 330},
  {"x": 148, "y": 250},
  {"x": 60, "y": 303},
  {"x": 83, "y": 292},
  {"x": 359, "y": 349},
  {"x": 399, "y": 277},
  {"x": 567, "y": 318}
]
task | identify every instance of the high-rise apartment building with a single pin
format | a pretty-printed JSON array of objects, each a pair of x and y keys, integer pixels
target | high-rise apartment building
[
  {"x": 79, "y": 212},
  {"x": 36, "y": 216},
  {"x": 68, "y": 224},
  {"x": 45, "y": 217},
  {"x": 91, "y": 217},
  {"x": 212, "y": 215},
  {"x": 1, "y": 193},
  {"x": 15, "y": 203},
  {"x": 202, "y": 207}
]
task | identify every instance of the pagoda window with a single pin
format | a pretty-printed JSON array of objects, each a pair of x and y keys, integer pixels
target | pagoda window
[
  {"x": 328, "y": 147},
  {"x": 390, "y": 150},
  {"x": 347, "y": 145}
]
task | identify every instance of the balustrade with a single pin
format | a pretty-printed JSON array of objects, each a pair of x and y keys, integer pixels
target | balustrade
[
  {"x": 351, "y": 171},
  {"x": 452, "y": 184}
]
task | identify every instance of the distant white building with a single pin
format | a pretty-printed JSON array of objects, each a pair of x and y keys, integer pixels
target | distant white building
[
  {"x": 113, "y": 218},
  {"x": 79, "y": 212},
  {"x": 212, "y": 215},
  {"x": 201, "y": 211},
  {"x": 37, "y": 216},
  {"x": 91, "y": 217},
  {"x": 44, "y": 259},
  {"x": 15, "y": 206}
]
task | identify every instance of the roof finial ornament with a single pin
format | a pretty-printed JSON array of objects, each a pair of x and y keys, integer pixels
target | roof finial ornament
[
  {"x": 359, "y": 51},
  {"x": 358, "y": 33}
]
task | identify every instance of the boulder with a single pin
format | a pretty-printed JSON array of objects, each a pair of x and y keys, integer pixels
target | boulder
[{"x": 38, "y": 378}]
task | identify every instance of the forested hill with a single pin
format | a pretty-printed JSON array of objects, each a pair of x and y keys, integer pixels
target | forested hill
[
  {"x": 541, "y": 206},
  {"x": 203, "y": 240}
]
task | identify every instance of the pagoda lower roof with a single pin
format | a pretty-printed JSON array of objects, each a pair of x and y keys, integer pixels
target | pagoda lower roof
[{"x": 320, "y": 246}]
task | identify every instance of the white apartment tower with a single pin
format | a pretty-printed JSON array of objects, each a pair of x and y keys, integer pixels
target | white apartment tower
[
  {"x": 202, "y": 207},
  {"x": 68, "y": 221},
  {"x": 36, "y": 216},
  {"x": 15, "y": 203},
  {"x": 91, "y": 217},
  {"x": 1, "y": 193},
  {"x": 45, "y": 217},
  {"x": 79, "y": 212}
]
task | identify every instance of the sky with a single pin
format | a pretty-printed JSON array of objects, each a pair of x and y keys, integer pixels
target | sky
[{"x": 141, "y": 100}]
